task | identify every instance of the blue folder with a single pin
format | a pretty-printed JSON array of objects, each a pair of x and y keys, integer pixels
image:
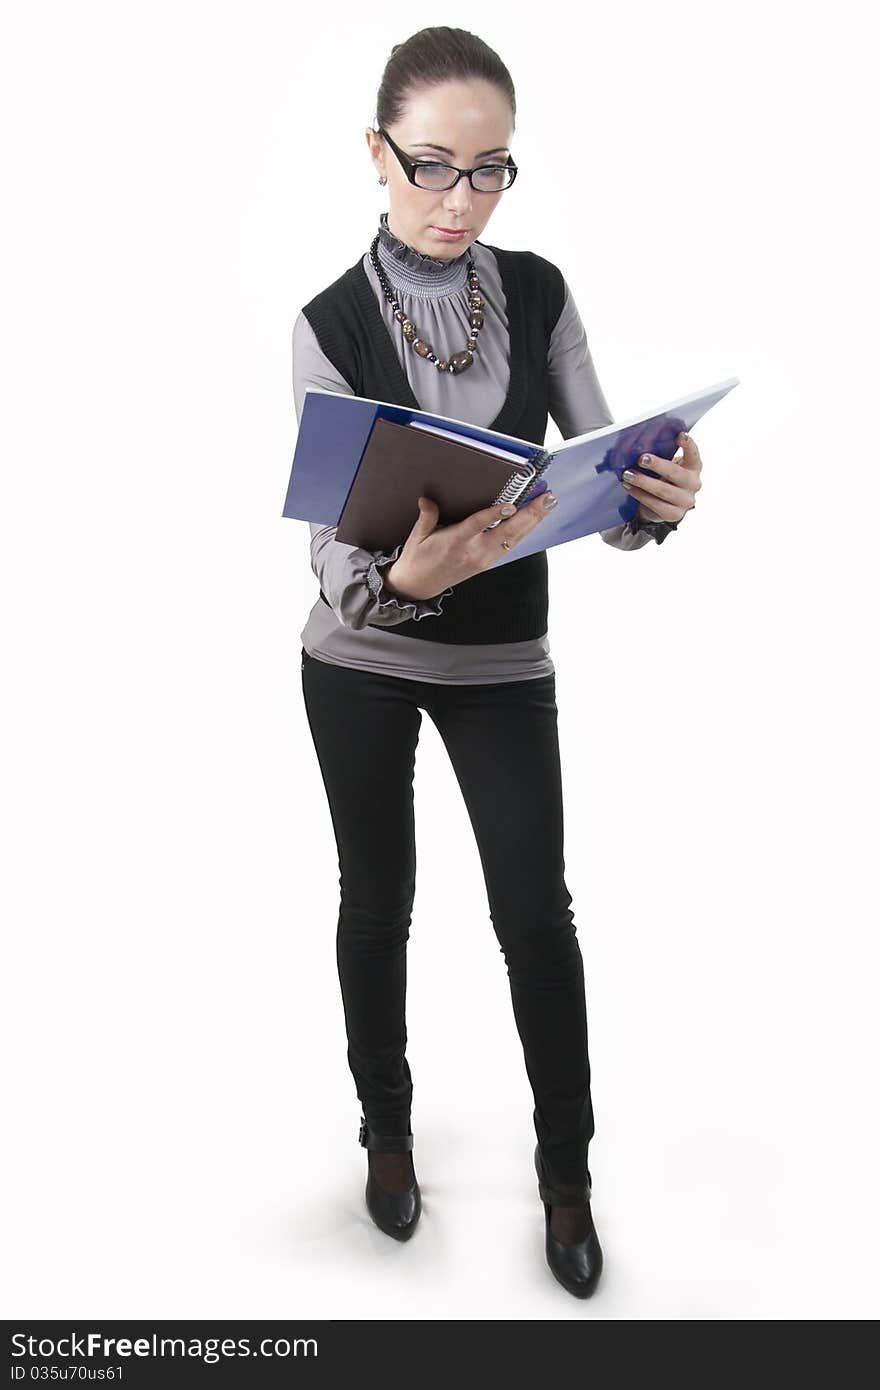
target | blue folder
[{"x": 583, "y": 472}]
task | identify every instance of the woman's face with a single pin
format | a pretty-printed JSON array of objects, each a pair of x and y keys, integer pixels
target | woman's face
[{"x": 473, "y": 123}]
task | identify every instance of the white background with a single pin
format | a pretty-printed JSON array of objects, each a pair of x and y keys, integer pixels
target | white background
[{"x": 179, "y": 180}]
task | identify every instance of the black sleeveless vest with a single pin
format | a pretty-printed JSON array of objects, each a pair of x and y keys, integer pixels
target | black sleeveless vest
[{"x": 510, "y": 603}]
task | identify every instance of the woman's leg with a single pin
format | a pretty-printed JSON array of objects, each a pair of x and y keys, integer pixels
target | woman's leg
[
  {"x": 365, "y": 728},
  {"x": 503, "y": 743}
]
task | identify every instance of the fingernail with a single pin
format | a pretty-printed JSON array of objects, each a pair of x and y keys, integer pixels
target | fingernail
[
  {"x": 548, "y": 501},
  {"x": 628, "y": 474},
  {"x": 507, "y": 510}
]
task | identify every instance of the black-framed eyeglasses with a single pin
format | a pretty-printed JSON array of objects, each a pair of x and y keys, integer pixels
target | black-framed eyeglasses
[{"x": 429, "y": 174}]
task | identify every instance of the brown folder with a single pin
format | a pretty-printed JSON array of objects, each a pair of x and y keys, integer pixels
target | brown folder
[{"x": 399, "y": 464}]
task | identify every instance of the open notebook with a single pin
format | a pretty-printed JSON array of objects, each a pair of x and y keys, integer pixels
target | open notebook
[{"x": 360, "y": 465}]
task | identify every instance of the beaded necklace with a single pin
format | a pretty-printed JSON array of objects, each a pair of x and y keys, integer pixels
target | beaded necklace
[{"x": 459, "y": 361}]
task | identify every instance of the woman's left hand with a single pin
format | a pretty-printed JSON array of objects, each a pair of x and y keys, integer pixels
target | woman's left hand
[{"x": 668, "y": 497}]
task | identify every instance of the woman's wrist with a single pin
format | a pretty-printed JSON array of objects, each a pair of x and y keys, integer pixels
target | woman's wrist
[{"x": 390, "y": 581}]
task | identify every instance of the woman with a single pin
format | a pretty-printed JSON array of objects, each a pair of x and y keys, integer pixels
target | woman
[{"x": 431, "y": 317}]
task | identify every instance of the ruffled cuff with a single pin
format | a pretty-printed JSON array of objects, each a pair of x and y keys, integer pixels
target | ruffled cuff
[
  {"x": 416, "y": 608},
  {"x": 625, "y": 537},
  {"x": 637, "y": 527},
  {"x": 633, "y": 534}
]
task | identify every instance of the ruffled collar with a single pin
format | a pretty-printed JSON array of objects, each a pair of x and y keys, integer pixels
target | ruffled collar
[
  {"x": 416, "y": 273},
  {"x": 419, "y": 261}
]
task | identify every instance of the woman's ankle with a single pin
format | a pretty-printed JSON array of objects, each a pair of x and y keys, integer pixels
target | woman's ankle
[{"x": 394, "y": 1172}]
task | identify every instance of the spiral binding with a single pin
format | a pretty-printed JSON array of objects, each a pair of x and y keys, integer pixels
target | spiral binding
[{"x": 517, "y": 486}]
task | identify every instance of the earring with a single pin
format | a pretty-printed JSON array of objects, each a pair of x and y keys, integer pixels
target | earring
[{"x": 383, "y": 181}]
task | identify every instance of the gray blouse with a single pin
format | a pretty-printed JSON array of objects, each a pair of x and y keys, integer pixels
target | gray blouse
[{"x": 431, "y": 291}]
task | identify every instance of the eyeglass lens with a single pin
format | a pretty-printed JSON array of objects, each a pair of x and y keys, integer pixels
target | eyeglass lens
[{"x": 490, "y": 179}]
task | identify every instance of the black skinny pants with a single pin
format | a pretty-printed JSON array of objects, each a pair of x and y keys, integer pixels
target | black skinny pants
[{"x": 503, "y": 743}]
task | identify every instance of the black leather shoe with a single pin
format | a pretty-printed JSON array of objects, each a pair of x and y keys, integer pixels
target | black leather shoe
[
  {"x": 395, "y": 1213},
  {"x": 576, "y": 1266}
]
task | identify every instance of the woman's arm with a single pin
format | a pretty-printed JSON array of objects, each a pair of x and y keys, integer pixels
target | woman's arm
[
  {"x": 577, "y": 403},
  {"x": 351, "y": 578}
]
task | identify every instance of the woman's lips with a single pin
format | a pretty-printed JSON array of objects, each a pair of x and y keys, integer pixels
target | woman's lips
[{"x": 444, "y": 232}]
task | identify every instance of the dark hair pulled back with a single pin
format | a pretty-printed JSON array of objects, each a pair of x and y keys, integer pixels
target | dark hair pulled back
[{"x": 435, "y": 55}]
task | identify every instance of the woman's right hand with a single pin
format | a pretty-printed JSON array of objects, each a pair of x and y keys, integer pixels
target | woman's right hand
[{"x": 435, "y": 557}]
